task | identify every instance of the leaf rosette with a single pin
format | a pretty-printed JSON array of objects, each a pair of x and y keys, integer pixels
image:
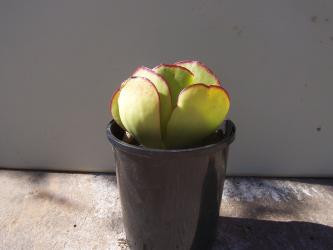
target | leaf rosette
[{"x": 172, "y": 105}]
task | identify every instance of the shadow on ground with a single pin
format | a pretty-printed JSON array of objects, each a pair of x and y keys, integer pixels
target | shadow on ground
[
  {"x": 36, "y": 177},
  {"x": 241, "y": 234}
]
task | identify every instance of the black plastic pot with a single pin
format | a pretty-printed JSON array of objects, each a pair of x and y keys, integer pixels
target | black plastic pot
[{"x": 170, "y": 198}]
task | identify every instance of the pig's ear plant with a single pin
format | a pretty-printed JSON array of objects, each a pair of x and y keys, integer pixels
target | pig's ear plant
[
  {"x": 171, "y": 106},
  {"x": 178, "y": 108}
]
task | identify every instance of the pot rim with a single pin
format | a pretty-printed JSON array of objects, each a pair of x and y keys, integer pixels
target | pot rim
[{"x": 227, "y": 126}]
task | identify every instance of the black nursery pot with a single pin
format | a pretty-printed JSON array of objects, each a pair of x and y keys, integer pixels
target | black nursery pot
[{"x": 170, "y": 198}]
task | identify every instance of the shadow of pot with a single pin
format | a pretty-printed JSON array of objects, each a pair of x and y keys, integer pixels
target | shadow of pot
[{"x": 170, "y": 198}]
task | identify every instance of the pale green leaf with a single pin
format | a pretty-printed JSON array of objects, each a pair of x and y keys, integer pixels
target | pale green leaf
[
  {"x": 164, "y": 93},
  {"x": 139, "y": 109},
  {"x": 200, "y": 111},
  {"x": 202, "y": 74},
  {"x": 115, "y": 108},
  {"x": 177, "y": 77}
]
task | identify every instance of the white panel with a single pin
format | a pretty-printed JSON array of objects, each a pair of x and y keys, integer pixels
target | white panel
[{"x": 61, "y": 60}]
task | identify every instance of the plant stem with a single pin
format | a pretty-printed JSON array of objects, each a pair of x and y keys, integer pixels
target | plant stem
[{"x": 128, "y": 138}]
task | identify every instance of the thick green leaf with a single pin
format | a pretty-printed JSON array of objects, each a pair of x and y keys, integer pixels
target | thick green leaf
[
  {"x": 163, "y": 90},
  {"x": 139, "y": 109},
  {"x": 115, "y": 108},
  {"x": 177, "y": 77},
  {"x": 202, "y": 74},
  {"x": 200, "y": 110}
]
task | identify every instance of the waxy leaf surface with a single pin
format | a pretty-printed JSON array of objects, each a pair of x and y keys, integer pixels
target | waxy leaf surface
[
  {"x": 200, "y": 111},
  {"x": 164, "y": 93},
  {"x": 139, "y": 109},
  {"x": 202, "y": 74},
  {"x": 115, "y": 108},
  {"x": 177, "y": 77}
]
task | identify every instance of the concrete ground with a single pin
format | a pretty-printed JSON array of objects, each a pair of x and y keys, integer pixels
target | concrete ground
[{"x": 44, "y": 210}]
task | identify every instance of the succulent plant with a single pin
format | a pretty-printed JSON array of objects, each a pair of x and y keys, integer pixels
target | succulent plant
[{"x": 170, "y": 106}]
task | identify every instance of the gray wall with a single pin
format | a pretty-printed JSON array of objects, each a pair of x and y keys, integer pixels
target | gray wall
[{"x": 61, "y": 60}]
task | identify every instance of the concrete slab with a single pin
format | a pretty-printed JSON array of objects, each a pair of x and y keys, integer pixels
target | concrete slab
[{"x": 44, "y": 210}]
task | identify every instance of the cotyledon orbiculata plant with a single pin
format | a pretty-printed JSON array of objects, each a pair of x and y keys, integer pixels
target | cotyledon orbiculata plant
[{"x": 170, "y": 106}]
